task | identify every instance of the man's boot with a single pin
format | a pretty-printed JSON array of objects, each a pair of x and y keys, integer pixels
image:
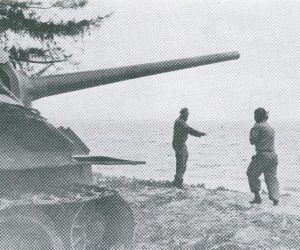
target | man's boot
[
  {"x": 275, "y": 202},
  {"x": 178, "y": 183},
  {"x": 257, "y": 199},
  {"x": 175, "y": 182}
]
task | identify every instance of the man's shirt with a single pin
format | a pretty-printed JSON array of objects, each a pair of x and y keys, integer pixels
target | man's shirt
[
  {"x": 262, "y": 135},
  {"x": 182, "y": 130}
]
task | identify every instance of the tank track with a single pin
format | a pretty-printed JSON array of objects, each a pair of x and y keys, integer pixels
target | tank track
[
  {"x": 64, "y": 194},
  {"x": 77, "y": 217}
]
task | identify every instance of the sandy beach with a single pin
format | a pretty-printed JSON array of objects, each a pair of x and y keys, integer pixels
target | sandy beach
[{"x": 199, "y": 218}]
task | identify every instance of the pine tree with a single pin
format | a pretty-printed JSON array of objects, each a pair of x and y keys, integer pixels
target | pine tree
[{"x": 30, "y": 39}]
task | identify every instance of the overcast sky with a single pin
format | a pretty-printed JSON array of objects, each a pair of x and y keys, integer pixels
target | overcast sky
[{"x": 266, "y": 33}]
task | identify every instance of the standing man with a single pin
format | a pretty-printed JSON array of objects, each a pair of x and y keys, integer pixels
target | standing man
[
  {"x": 265, "y": 161},
  {"x": 181, "y": 131}
]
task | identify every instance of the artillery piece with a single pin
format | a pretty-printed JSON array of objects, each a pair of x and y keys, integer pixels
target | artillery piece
[{"x": 47, "y": 197}]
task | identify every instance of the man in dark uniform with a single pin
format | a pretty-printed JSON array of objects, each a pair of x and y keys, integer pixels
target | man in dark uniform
[
  {"x": 262, "y": 135},
  {"x": 181, "y": 132}
]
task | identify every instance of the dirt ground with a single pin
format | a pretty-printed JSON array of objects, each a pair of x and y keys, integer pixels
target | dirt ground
[{"x": 200, "y": 218}]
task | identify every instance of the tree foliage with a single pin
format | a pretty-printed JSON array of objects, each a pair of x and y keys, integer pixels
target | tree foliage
[{"x": 31, "y": 39}]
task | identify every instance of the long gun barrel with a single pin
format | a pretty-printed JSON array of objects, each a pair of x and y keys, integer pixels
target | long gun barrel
[{"x": 63, "y": 83}]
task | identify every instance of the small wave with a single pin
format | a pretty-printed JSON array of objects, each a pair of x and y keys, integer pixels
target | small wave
[
  {"x": 145, "y": 142},
  {"x": 204, "y": 145},
  {"x": 207, "y": 165},
  {"x": 161, "y": 170},
  {"x": 164, "y": 144},
  {"x": 119, "y": 141},
  {"x": 292, "y": 189}
]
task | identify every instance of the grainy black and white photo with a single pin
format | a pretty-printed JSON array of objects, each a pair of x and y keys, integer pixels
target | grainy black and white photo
[{"x": 149, "y": 124}]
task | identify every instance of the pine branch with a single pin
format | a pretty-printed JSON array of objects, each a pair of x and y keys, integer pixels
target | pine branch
[
  {"x": 15, "y": 20},
  {"x": 23, "y": 5},
  {"x": 43, "y": 70},
  {"x": 62, "y": 4},
  {"x": 22, "y": 19},
  {"x": 39, "y": 62},
  {"x": 67, "y": 4}
]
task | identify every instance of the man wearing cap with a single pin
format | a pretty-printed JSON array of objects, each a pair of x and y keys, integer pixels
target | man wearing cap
[
  {"x": 265, "y": 161},
  {"x": 181, "y": 132}
]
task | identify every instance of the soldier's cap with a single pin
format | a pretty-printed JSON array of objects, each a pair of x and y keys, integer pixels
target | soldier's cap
[
  {"x": 261, "y": 112},
  {"x": 184, "y": 111}
]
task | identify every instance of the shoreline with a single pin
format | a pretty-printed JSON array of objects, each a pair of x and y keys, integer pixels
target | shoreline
[
  {"x": 199, "y": 218},
  {"x": 127, "y": 181}
]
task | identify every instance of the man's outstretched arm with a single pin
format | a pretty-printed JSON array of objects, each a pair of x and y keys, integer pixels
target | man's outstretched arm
[{"x": 195, "y": 132}]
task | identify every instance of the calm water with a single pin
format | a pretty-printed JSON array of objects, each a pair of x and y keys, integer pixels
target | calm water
[{"x": 220, "y": 159}]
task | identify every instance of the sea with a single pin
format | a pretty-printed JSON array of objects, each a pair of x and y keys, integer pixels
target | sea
[{"x": 219, "y": 159}]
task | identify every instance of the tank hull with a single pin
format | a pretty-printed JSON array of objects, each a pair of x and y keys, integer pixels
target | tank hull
[{"x": 47, "y": 201}]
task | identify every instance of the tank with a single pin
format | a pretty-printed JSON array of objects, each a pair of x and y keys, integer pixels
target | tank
[{"x": 48, "y": 200}]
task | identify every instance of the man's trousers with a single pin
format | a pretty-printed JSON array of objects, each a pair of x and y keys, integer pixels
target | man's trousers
[
  {"x": 264, "y": 163},
  {"x": 182, "y": 155}
]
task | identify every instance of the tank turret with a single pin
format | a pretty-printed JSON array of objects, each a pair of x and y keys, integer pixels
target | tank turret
[{"x": 47, "y": 196}]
